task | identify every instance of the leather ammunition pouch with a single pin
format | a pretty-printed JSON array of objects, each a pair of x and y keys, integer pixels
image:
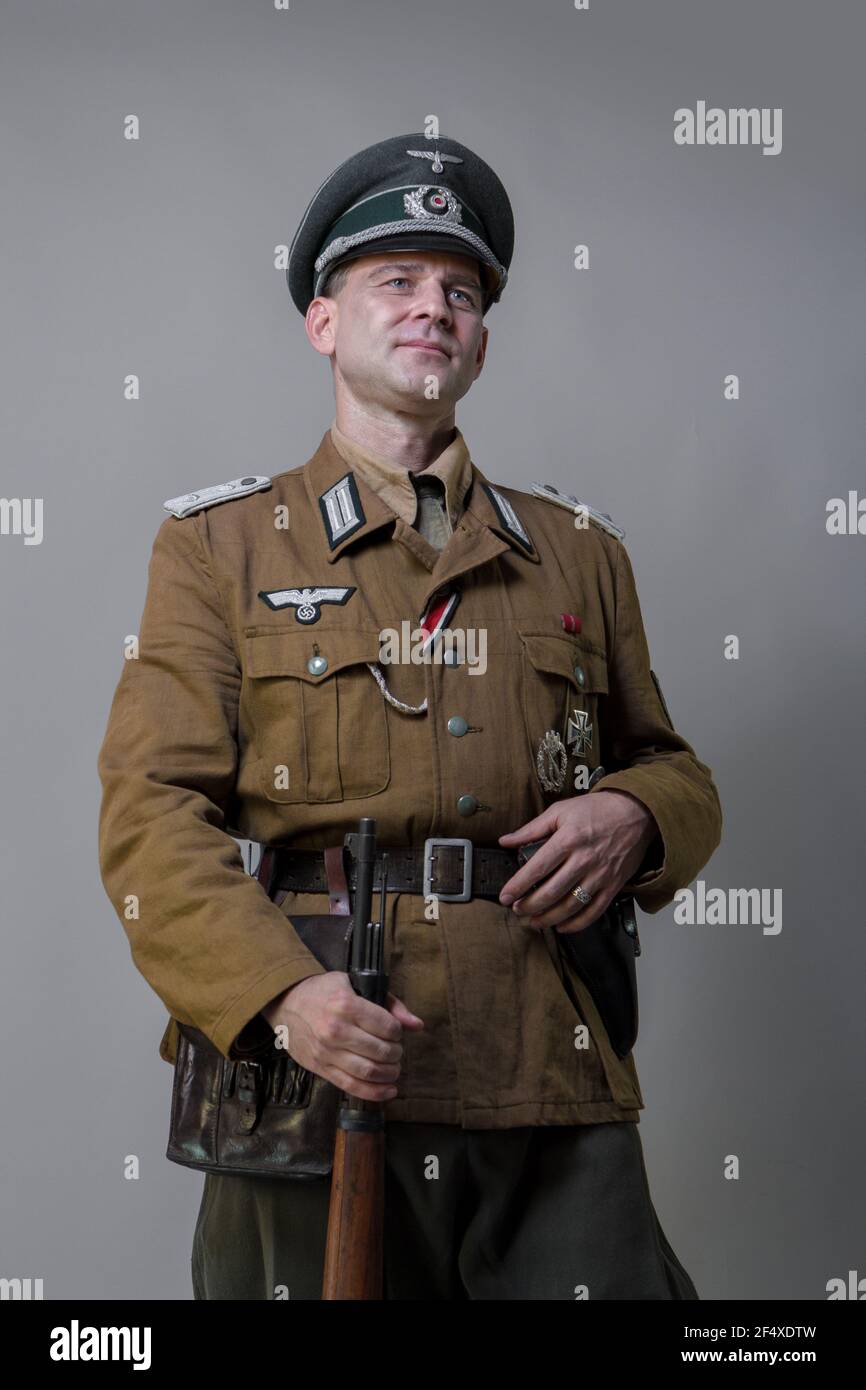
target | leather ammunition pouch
[{"x": 268, "y": 1116}]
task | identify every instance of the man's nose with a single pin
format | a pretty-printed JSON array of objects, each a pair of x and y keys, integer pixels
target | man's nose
[{"x": 432, "y": 299}]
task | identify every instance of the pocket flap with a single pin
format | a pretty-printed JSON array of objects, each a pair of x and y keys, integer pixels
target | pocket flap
[
  {"x": 287, "y": 653},
  {"x": 567, "y": 656}
]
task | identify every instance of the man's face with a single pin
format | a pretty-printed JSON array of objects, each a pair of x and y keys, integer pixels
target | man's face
[{"x": 401, "y": 318}]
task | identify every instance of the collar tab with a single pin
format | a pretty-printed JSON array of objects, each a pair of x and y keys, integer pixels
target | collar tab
[
  {"x": 509, "y": 521},
  {"x": 341, "y": 510}
]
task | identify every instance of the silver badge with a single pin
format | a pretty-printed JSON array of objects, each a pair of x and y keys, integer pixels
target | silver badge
[
  {"x": 579, "y": 733},
  {"x": 430, "y": 201},
  {"x": 437, "y": 165},
  {"x": 551, "y": 762}
]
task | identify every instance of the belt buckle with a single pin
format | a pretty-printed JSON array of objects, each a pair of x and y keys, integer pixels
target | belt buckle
[{"x": 427, "y": 874}]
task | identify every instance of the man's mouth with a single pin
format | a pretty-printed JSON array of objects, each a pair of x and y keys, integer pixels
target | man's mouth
[{"x": 425, "y": 346}]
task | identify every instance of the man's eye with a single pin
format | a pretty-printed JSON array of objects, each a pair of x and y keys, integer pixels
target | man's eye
[{"x": 403, "y": 280}]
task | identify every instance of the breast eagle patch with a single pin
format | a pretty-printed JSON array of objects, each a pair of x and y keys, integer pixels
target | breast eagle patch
[{"x": 307, "y": 603}]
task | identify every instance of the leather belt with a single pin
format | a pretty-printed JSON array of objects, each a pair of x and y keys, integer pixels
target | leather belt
[{"x": 454, "y": 870}]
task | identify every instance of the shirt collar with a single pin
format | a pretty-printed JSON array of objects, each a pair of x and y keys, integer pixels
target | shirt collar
[{"x": 394, "y": 484}]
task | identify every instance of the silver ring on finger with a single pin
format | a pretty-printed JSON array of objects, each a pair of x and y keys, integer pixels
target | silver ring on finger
[{"x": 581, "y": 894}]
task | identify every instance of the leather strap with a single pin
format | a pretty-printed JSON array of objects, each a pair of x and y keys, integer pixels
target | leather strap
[
  {"x": 305, "y": 871},
  {"x": 338, "y": 888}
]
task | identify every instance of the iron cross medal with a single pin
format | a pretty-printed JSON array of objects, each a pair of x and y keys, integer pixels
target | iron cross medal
[{"x": 578, "y": 734}]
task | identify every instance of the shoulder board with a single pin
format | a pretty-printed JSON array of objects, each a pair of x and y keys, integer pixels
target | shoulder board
[
  {"x": 571, "y": 504},
  {"x": 220, "y": 492}
]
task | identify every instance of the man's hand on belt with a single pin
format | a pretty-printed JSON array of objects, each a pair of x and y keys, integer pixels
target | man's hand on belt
[
  {"x": 596, "y": 842},
  {"x": 336, "y": 1034}
]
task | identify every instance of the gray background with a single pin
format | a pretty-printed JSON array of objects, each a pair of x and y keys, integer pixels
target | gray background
[{"x": 156, "y": 258}]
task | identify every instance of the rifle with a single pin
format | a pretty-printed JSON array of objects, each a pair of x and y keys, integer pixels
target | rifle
[{"x": 354, "y": 1245}]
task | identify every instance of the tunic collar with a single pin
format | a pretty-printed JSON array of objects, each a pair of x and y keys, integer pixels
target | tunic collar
[{"x": 351, "y": 508}]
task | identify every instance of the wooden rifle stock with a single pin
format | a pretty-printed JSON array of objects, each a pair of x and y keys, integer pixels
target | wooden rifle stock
[{"x": 354, "y": 1245}]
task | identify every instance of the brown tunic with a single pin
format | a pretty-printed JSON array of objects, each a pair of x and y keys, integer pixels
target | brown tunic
[{"x": 219, "y": 726}]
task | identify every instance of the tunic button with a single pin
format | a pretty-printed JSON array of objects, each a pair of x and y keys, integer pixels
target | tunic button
[
  {"x": 457, "y": 725},
  {"x": 579, "y": 673},
  {"x": 316, "y": 665},
  {"x": 451, "y": 656},
  {"x": 467, "y": 805}
]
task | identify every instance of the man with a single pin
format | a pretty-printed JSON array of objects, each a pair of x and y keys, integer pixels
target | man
[{"x": 273, "y": 699}]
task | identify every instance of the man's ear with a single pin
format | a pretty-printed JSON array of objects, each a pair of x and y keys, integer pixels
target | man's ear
[
  {"x": 320, "y": 323},
  {"x": 482, "y": 349}
]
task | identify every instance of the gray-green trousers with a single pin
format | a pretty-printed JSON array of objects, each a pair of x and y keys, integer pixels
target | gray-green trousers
[{"x": 540, "y": 1212}]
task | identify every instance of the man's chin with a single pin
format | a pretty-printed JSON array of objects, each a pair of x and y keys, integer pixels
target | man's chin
[{"x": 416, "y": 385}]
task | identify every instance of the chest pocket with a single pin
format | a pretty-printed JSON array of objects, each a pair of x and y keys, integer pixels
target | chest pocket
[
  {"x": 320, "y": 736},
  {"x": 564, "y": 685}
]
